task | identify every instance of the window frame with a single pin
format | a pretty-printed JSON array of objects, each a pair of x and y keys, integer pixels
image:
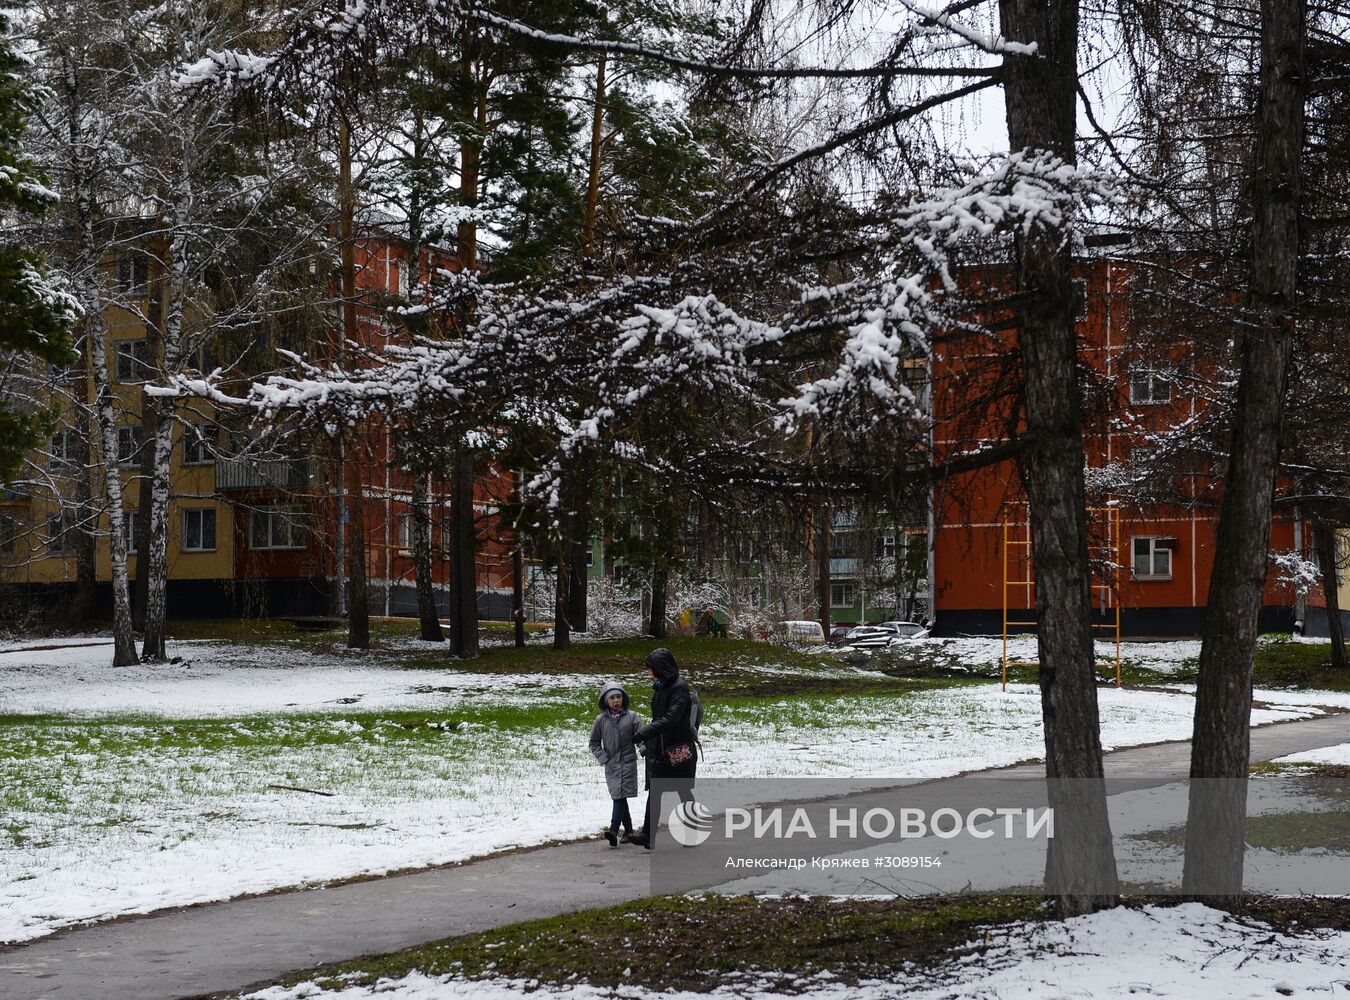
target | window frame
[
  {"x": 198, "y": 434},
  {"x": 1156, "y": 544},
  {"x": 9, "y": 535},
  {"x": 200, "y": 512},
  {"x": 403, "y": 533},
  {"x": 130, "y": 530},
  {"x": 1155, "y": 378},
  {"x": 132, "y": 458},
  {"x": 66, "y": 535},
  {"x": 133, "y": 272},
  {"x": 292, "y": 516},
  {"x": 127, "y": 350},
  {"x": 64, "y": 459},
  {"x": 851, "y": 589}
]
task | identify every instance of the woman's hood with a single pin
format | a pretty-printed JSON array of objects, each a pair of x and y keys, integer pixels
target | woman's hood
[
  {"x": 662, "y": 661},
  {"x": 606, "y": 690}
]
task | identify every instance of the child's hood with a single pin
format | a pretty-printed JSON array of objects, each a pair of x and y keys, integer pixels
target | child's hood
[{"x": 606, "y": 690}]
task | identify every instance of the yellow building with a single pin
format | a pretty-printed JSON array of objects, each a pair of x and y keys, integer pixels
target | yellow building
[{"x": 40, "y": 513}]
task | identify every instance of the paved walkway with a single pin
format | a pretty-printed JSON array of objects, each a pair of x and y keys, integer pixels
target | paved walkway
[{"x": 227, "y": 946}]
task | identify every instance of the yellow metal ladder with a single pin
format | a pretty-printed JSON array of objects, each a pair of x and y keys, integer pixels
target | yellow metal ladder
[{"x": 1019, "y": 581}]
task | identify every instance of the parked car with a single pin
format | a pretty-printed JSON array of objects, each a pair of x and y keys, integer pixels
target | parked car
[
  {"x": 884, "y": 634},
  {"x": 908, "y": 630},
  {"x": 803, "y": 633},
  {"x": 869, "y": 637},
  {"x": 839, "y": 633}
]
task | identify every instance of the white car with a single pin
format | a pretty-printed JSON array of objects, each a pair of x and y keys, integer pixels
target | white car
[
  {"x": 806, "y": 633},
  {"x": 885, "y": 634},
  {"x": 905, "y": 631}
]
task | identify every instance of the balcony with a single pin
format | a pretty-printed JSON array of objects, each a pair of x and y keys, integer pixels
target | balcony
[{"x": 234, "y": 474}]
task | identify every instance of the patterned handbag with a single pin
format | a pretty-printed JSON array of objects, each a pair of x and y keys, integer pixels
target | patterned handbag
[{"x": 681, "y": 754}]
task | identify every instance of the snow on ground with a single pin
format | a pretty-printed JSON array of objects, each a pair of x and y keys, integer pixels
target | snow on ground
[
  {"x": 155, "y": 786},
  {"x": 986, "y": 652},
  {"x": 1339, "y": 754},
  {"x": 229, "y": 679},
  {"x": 1186, "y": 951}
]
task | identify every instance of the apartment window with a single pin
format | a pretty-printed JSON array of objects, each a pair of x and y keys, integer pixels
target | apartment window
[
  {"x": 404, "y": 268},
  {"x": 843, "y": 593},
  {"x": 63, "y": 447},
  {"x": 60, "y": 535},
  {"x": 202, "y": 359},
  {"x": 199, "y": 530},
  {"x": 1079, "y": 299},
  {"x": 844, "y": 545},
  {"x": 405, "y": 534},
  {"x": 1153, "y": 558},
  {"x": 590, "y": 558},
  {"x": 133, "y": 272},
  {"x": 133, "y": 360},
  {"x": 199, "y": 444},
  {"x": 1149, "y": 387},
  {"x": 883, "y": 547},
  {"x": 9, "y": 535},
  {"x": 131, "y": 530},
  {"x": 128, "y": 445},
  {"x": 277, "y": 528}
]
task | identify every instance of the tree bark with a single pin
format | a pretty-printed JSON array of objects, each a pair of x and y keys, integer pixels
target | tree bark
[
  {"x": 593, "y": 174},
  {"x": 823, "y": 565},
  {"x": 518, "y": 572},
  {"x": 86, "y": 551},
  {"x": 1221, "y": 744},
  {"x": 578, "y": 588},
  {"x": 464, "y": 566},
  {"x": 86, "y": 287},
  {"x": 358, "y": 608},
  {"x": 1325, "y": 537},
  {"x": 562, "y": 605},
  {"x": 660, "y": 582},
  {"x": 427, "y": 613},
  {"x": 1040, "y": 94},
  {"x": 154, "y": 549},
  {"x": 358, "y": 600}
]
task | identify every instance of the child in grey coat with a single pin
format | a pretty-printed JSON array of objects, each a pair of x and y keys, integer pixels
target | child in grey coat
[{"x": 612, "y": 745}]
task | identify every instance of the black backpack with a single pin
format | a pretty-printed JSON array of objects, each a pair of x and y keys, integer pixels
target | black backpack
[{"x": 695, "y": 718}]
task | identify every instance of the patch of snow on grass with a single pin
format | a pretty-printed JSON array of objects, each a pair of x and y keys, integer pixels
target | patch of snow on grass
[
  {"x": 1339, "y": 754},
  {"x": 1183, "y": 951}
]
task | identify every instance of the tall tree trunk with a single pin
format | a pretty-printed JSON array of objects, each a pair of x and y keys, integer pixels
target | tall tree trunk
[
  {"x": 464, "y": 590},
  {"x": 1325, "y": 537},
  {"x": 1040, "y": 94},
  {"x": 422, "y": 571},
  {"x": 358, "y": 599},
  {"x": 467, "y": 543},
  {"x": 593, "y": 174},
  {"x": 358, "y": 607},
  {"x": 154, "y": 550},
  {"x": 1221, "y": 744},
  {"x": 579, "y": 546},
  {"x": 562, "y": 605},
  {"x": 518, "y": 571},
  {"x": 86, "y": 286},
  {"x": 85, "y": 605},
  {"x": 154, "y": 344},
  {"x": 660, "y": 583},
  {"x": 823, "y": 565}
]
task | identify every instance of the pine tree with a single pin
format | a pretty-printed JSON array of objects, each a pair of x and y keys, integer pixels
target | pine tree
[{"x": 36, "y": 316}]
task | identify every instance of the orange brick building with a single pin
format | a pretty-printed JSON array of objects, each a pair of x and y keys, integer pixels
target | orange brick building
[{"x": 1153, "y": 558}]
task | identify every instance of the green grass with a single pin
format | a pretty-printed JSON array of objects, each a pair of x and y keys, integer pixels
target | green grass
[
  {"x": 1300, "y": 665},
  {"x": 699, "y": 943}
]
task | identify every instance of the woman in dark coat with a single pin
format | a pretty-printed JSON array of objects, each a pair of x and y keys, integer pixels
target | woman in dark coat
[{"x": 670, "y": 746}]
